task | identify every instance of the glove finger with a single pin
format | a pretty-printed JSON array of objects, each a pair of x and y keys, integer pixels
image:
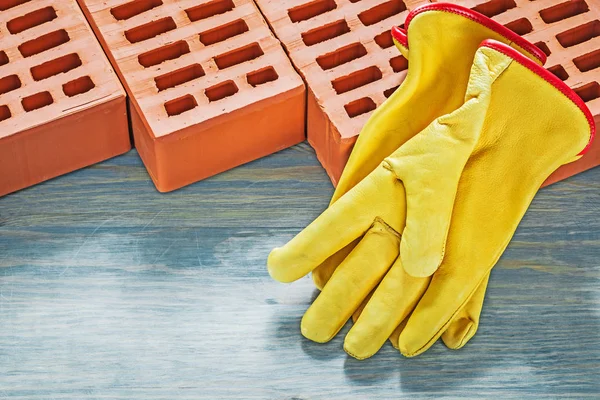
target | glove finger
[
  {"x": 343, "y": 222},
  {"x": 464, "y": 326},
  {"x": 395, "y": 297},
  {"x": 323, "y": 272},
  {"x": 446, "y": 295},
  {"x": 325, "y": 236},
  {"x": 351, "y": 283}
]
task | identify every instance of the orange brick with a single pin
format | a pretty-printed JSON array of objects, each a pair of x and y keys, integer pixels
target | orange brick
[
  {"x": 345, "y": 44},
  {"x": 210, "y": 86},
  {"x": 61, "y": 105}
]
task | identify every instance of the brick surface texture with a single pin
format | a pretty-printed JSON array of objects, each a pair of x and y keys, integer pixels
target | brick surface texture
[{"x": 61, "y": 104}]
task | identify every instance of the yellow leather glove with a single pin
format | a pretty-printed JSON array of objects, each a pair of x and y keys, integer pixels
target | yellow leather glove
[
  {"x": 442, "y": 39},
  {"x": 517, "y": 119},
  {"x": 534, "y": 124}
]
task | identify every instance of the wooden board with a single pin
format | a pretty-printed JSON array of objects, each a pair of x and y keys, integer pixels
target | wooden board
[{"x": 109, "y": 289}]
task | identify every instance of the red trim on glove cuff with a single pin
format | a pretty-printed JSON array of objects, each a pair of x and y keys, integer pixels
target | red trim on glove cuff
[{"x": 400, "y": 34}]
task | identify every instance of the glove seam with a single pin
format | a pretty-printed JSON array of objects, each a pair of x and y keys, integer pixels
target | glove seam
[
  {"x": 355, "y": 356},
  {"x": 386, "y": 226}
]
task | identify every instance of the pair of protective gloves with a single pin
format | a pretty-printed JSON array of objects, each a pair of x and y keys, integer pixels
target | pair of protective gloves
[{"x": 438, "y": 181}]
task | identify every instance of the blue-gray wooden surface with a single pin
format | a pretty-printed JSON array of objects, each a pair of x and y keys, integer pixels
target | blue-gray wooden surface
[{"x": 109, "y": 289}]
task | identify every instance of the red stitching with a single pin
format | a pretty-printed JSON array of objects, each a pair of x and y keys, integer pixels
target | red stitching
[
  {"x": 548, "y": 77},
  {"x": 480, "y": 19}
]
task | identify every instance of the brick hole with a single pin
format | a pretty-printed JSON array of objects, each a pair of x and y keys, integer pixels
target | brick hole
[
  {"x": 57, "y": 66},
  {"x": 6, "y": 4},
  {"x": 43, "y": 43},
  {"x": 31, "y": 20},
  {"x": 220, "y": 91},
  {"x": 261, "y": 76},
  {"x": 341, "y": 56},
  {"x": 150, "y": 30},
  {"x": 356, "y": 79},
  {"x": 520, "y": 26},
  {"x": 384, "y": 40},
  {"x": 238, "y": 56},
  {"x": 399, "y": 63},
  {"x": 387, "y": 93},
  {"x": 360, "y": 106},
  {"x": 36, "y": 101},
  {"x": 381, "y": 12},
  {"x": 223, "y": 32},
  {"x": 78, "y": 86},
  {"x": 207, "y": 10},
  {"x": 579, "y": 34},
  {"x": 494, "y": 7},
  {"x": 564, "y": 10},
  {"x": 4, "y": 113},
  {"x": 180, "y": 105},
  {"x": 588, "y": 62},
  {"x": 325, "y": 32},
  {"x": 179, "y": 77},
  {"x": 560, "y": 72},
  {"x": 589, "y": 92},
  {"x": 9, "y": 83},
  {"x": 162, "y": 54},
  {"x": 543, "y": 47},
  {"x": 3, "y": 58},
  {"x": 310, "y": 10},
  {"x": 134, "y": 8}
]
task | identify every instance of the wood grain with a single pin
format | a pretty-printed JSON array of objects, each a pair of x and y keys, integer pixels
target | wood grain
[{"x": 109, "y": 289}]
